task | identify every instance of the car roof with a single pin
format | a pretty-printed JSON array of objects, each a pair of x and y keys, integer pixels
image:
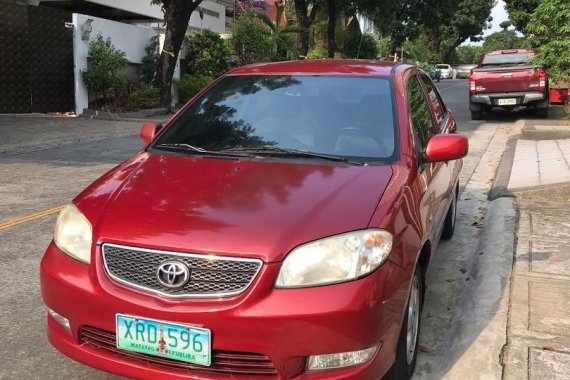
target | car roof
[
  {"x": 510, "y": 51},
  {"x": 321, "y": 67}
]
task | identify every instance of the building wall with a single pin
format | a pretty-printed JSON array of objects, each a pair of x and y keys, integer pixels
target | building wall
[{"x": 131, "y": 39}]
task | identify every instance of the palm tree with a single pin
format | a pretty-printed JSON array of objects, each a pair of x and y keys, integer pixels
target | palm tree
[{"x": 277, "y": 32}]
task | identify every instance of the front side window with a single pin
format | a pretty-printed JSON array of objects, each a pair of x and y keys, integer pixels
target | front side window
[
  {"x": 421, "y": 115},
  {"x": 334, "y": 115}
]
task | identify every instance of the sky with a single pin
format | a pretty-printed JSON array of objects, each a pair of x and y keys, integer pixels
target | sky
[{"x": 499, "y": 15}]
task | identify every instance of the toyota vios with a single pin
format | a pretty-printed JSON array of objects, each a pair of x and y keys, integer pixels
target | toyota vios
[{"x": 278, "y": 227}]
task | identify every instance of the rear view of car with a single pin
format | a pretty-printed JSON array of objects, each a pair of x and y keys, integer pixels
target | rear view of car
[
  {"x": 506, "y": 79},
  {"x": 445, "y": 69}
]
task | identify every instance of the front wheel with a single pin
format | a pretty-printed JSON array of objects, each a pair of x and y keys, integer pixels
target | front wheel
[
  {"x": 408, "y": 342},
  {"x": 476, "y": 115},
  {"x": 449, "y": 224}
]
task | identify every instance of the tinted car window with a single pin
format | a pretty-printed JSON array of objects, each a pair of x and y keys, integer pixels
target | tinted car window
[
  {"x": 345, "y": 116},
  {"x": 506, "y": 59},
  {"x": 421, "y": 114},
  {"x": 435, "y": 99}
]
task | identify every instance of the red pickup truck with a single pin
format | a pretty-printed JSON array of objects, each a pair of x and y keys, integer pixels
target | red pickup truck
[{"x": 504, "y": 78}]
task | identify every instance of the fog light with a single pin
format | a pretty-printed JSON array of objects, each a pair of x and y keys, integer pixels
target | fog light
[
  {"x": 59, "y": 319},
  {"x": 340, "y": 360}
]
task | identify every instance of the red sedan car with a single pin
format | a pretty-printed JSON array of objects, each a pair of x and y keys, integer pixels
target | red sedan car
[{"x": 278, "y": 227}]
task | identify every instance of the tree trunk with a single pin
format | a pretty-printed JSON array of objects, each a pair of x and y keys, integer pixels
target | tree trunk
[
  {"x": 304, "y": 21},
  {"x": 177, "y": 16},
  {"x": 331, "y": 36}
]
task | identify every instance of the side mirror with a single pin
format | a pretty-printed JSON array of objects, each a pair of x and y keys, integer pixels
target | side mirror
[
  {"x": 447, "y": 147},
  {"x": 148, "y": 131}
]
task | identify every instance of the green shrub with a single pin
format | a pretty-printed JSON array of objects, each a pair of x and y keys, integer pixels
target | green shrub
[
  {"x": 317, "y": 53},
  {"x": 189, "y": 86},
  {"x": 362, "y": 46},
  {"x": 144, "y": 98},
  {"x": 207, "y": 54},
  {"x": 105, "y": 61}
]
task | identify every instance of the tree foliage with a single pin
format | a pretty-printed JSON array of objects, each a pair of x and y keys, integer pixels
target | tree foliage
[
  {"x": 505, "y": 39},
  {"x": 520, "y": 11},
  {"x": 446, "y": 23},
  {"x": 207, "y": 54},
  {"x": 362, "y": 46},
  {"x": 250, "y": 40},
  {"x": 149, "y": 62},
  {"x": 549, "y": 26},
  {"x": 468, "y": 54}
]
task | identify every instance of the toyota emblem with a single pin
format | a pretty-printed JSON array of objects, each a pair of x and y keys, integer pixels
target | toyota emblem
[{"x": 173, "y": 274}]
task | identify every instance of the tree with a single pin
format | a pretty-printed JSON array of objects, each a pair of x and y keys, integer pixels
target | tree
[
  {"x": 250, "y": 40},
  {"x": 177, "y": 16},
  {"x": 520, "y": 12},
  {"x": 549, "y": 26},
  {"x": 446, "y": 23},
  {"x": 306, "y": 12},
  {"x": 149, "y": 62},
  {"x": 332, "y": 12}
]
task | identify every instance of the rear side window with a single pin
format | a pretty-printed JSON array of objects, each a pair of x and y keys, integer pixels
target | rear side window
[
  {"x": 421, "y": 114},
  {"x": 435, "y": 100}
]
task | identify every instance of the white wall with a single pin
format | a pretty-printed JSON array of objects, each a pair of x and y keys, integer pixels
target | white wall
[
  {"x": 215, "y": 24},
  {"x": 131, "y": 39}
]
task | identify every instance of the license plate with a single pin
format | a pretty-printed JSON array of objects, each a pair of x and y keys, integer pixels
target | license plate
[
  {"x": 507, "y": 102},
  {"x": 171, "y": 340}
]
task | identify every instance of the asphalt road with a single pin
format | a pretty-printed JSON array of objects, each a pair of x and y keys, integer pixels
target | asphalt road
[{"x": 35, "y": 176}]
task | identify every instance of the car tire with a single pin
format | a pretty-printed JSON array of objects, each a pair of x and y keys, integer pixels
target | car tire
[
  {"x": 450, "y": 218},
  {"x": 541, "y": 113},
  {"x": 408, "y": 341}
]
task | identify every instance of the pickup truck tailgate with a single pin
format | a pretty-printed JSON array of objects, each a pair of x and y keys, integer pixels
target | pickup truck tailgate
[{"x": 506, "y": 79}]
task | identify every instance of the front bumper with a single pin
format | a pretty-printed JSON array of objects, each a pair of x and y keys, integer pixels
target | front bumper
[
  {"x": 523, "y": 98},
  {"x": 285, "y": 325}
]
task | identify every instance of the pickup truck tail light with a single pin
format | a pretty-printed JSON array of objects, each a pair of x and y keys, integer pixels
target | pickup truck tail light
[
  {"x": 542, "y": 79},
  {"x": 472, "y": 88}
]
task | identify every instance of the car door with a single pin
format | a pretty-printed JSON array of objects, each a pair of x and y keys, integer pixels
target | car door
[
  {"x": 445, "y": 123},
  {"x": 434, "y": 175}
]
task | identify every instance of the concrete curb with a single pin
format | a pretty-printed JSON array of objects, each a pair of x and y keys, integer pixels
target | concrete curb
[{"x": 499, "y": 188}]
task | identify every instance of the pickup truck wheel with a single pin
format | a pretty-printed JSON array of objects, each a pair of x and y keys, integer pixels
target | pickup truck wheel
[
  {"x": 476, "y": 115},
  {"x": 408, "y": 342},
  {"x": 541, "y": 112}
]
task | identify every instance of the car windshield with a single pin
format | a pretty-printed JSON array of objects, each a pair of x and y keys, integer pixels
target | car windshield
[
  {"x": 344, "y": 116},
  {"x": 505, "y": 59},
  {"x": 445, "y": 67}
]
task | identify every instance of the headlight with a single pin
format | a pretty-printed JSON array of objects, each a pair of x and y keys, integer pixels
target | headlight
[
  {"x": 335, "y": 259},
  {"x": 73, "y": 234}
]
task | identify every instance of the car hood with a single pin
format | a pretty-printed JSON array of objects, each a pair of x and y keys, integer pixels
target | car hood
[{"x": 258, "y": 209}]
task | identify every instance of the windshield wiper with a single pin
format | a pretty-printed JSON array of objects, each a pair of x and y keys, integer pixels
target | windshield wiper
[
  {"x": 270, "y": 150},
  {"x": 198, "y": 150}
]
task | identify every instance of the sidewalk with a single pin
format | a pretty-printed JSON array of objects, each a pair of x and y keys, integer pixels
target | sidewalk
[{"x": 538, "y": 332}]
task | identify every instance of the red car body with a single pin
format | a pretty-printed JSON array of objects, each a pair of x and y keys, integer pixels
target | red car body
[{"x": 260, "y": 210}]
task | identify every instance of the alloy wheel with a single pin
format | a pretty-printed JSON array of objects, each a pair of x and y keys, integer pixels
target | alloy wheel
[{"x": 413, "y": 320}]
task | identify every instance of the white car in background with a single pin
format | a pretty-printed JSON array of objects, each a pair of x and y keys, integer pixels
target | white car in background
[{"x": 445, "y": 69}]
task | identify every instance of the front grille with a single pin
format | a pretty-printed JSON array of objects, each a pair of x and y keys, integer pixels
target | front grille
[
  {"x": 241, "y": 364},
  {"x": 210, "y": 276}
]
